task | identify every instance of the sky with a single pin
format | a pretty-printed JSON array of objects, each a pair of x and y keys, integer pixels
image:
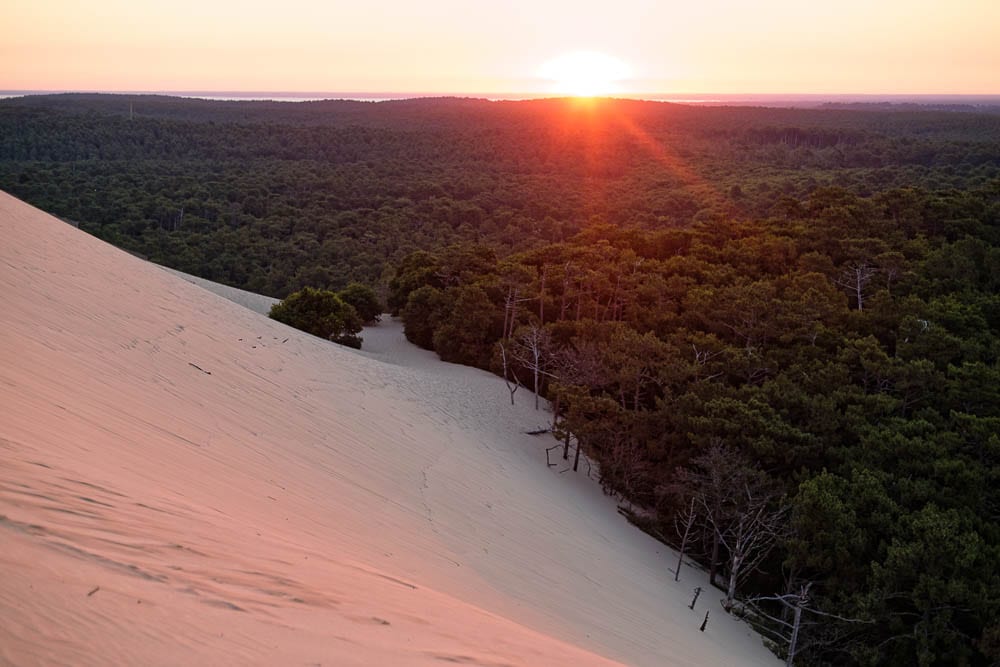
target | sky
[{"x": 478, "y": 46}]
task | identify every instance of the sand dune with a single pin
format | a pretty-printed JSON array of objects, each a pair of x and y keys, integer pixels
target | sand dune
[
  {"x": 255, "y": 302},
  {"x": 183, "y": 481}
]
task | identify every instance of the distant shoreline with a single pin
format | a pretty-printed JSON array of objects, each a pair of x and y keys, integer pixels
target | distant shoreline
[{"x": 707, "y": 99}]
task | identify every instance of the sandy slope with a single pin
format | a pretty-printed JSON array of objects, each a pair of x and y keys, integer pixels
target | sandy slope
[
  {"x": 255, "y": 302},
  {"x": 183, "y": 481}
]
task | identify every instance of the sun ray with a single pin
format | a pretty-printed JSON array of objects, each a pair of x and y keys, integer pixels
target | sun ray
[{"x": 595, "y": 121}]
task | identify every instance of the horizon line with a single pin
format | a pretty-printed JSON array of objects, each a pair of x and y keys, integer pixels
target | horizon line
[{"x": 411, "y": 94}]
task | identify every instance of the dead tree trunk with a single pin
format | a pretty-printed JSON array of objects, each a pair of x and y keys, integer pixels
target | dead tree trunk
[
  {"x": 688, "y": 522},
  {"x": 796, "y": 623},
  {"x": 748, "y": 538},
  {"x": 531, "y": 350},
  {"x": 735, "y": 566},
  {"x": 511, "y": 387},
  {"x": 855, "y": 279},
  {"x": 790, "y": 631},
  {"x": 509, "y": 311},
  {"x": 713, "y": 567},
  {"x": 541, "y": 296}
]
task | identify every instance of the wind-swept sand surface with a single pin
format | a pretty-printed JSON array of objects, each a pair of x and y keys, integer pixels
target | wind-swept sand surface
[
  {"x": 255, "y": 302},
  {"x": 183, "y": 481}
]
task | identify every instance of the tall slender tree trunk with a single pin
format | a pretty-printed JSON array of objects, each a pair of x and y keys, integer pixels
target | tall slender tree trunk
[
  {"x": 541, "y": 297},
  {"x": 714, "y": 562},
  {"x": 795, "y": 633},
  {"x": 563, "y": 303},
  {"x": 734, "y": 573},
  {"x": 537, "y": 377},
  {"x": 506, "y": 312},
  {"x": 513, "y": 312},
  {"x": 684, "y": 541}
]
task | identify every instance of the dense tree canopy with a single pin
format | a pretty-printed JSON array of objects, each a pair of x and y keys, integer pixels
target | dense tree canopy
[
  {"x": 774, "y": 332},
  {"x": 273, "y": 197},
  {"x": 858, "y": 411}
]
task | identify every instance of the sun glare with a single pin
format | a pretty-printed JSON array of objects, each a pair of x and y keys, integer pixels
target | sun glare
[{"x": 585, "y": 74}]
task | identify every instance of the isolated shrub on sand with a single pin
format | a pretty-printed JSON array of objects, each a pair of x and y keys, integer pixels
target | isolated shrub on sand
[
  {"x": 364, "y": 300},
  {"x": 321, "y": 313}
]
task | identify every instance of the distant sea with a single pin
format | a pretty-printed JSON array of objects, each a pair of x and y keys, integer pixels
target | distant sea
[{"x": 710, "y": 99}]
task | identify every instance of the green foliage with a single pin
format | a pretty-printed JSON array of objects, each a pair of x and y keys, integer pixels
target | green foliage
[
  {"x": 364, "y": 300},
  {"x": 468, "y": 327},
  {"x": 321, "y": 313},
  {"x": 814, "y": 290},
  {"x": 877, "y": 424},
  {"x": 275, "y": 197},
  {"x": 416, "y": 270},
  {"x": 934, "y": 584},
  {"x": 425, "y": 309}
]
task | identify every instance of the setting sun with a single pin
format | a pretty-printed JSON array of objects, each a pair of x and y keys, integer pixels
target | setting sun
[{"x": 585, "y": 73}]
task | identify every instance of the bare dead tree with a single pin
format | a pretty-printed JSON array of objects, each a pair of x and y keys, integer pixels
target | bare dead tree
[
  {"x": 511, "y": 300},
  {"x": 685, "y": 519},
  {"x": 756, "y": 526},
  {"x": 700, "y": 362},
  {"x": 511, "y": 386},
  {"x": 798, "y": 605},
  {"x": 796, "y": 623},
  {"x": 855, "y": 279},
  {"x": 741, "y": 511},
  {"x": 702, "y": 357},
  {"x": 712, "y": 481},
  {"x": 532, "y": 350}
]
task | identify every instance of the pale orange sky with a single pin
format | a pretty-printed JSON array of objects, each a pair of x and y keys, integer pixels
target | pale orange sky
[{"x": 454, "y": 46}]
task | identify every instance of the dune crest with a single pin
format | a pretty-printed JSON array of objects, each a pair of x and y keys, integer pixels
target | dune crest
[{"x": 184, "y": 481}]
